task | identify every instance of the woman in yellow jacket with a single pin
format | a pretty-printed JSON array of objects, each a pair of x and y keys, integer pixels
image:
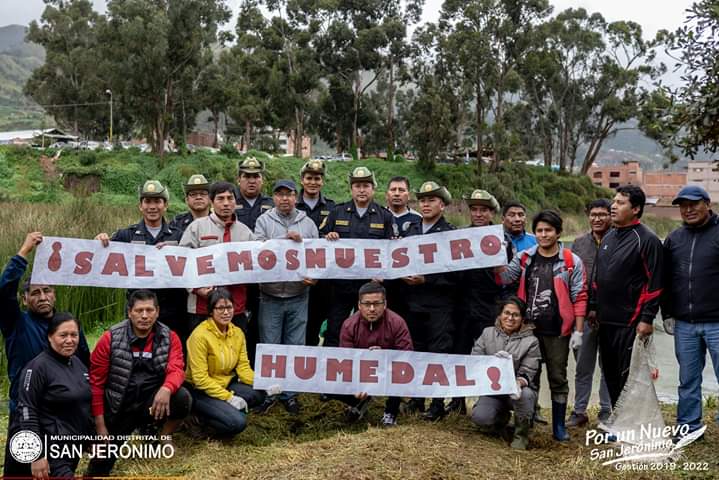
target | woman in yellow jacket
[{"x": 218, "y": 370}]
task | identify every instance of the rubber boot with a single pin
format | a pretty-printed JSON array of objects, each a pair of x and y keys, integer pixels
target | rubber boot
[
  {"x": 521, "y": 433},
  {"x": 559, "y": 411}
]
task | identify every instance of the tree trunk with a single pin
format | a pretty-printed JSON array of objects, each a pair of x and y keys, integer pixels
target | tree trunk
[
  {"x": 390, "y": 115},
  {"x": 247, "y": 137},
  {"x": 355, "y": 107},
  {"x": 299, "y": 132},
  {"x": 479, "y": 130},
  {"x": 216, "y": 121}
]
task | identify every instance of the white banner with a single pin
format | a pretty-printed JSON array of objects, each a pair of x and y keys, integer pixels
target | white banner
[
  {"x": 381, "y": 372},
  {"x": 72, "y": 261}
]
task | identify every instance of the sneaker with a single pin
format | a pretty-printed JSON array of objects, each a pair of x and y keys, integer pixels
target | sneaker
[
  {"x": 356, "y": 413},
  {"x": 265, "y": 406},
  {"x": 389, "y": 420},
  {"x": 292, "y": 405},
  {"x": 577, "y": 419}
]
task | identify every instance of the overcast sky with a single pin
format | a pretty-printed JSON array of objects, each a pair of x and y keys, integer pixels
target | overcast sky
[{"x": 651, "y": 14}]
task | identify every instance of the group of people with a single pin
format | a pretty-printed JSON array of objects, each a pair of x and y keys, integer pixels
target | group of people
[{"x": 187, "y": 355}]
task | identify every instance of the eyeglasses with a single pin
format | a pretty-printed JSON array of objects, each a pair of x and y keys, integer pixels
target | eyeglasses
[
  {"x": 225, "y": 309},
  {"x": 599, "y": 216},
  {"x": 197, "y": 194},
  {"x": 512, "y": 314},
  {"x": 371, "y": 304}
]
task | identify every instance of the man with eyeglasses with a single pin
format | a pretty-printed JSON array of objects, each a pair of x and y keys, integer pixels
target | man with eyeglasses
[
  {"x": 197, "y": 199},
  {"x": 283, "y": 305},
  {"x": 586, "y": 247},
  {"x": 373, "y": 327}
]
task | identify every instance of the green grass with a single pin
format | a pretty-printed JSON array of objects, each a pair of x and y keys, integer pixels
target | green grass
[{"x": 319, "y": 444}]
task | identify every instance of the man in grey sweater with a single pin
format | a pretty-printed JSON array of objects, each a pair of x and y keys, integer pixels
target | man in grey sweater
[{"x": 283, "y": 305}]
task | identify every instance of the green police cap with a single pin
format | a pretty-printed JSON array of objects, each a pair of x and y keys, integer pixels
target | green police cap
[
  {"x": 196, "y": 182},
  {"x": 154, "y": 189},
  {"x": 482, "y": 197},
  {"x": 251, "y": 165},
  {"x": 313, "y": 166},
  {"x": 362, "y": 174},
  {"x": 433, "y": 189}
]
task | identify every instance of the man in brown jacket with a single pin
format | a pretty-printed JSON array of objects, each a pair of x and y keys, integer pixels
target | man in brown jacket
[
  {"x": 373, "y": 327},
  {"x": 221, "y": 226}
]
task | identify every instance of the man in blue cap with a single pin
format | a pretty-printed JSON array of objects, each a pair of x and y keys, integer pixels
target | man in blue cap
[
  {"x": 690, "y": 306},
  {"x": 283, "y": 305}
]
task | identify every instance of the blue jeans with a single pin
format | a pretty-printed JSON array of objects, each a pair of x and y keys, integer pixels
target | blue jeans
[
  {"x": 283, "y": 321},
  {"x": 224, "y": 419},
  {"x": 586, "y": 358},
  {"x": 691, "y": 341}
]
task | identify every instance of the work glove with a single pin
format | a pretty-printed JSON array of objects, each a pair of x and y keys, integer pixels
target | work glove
[
  {"x": 503, "y": 354},
  {"x": 273, "y": 390},
  {"x": 668, "y": 325},
  {"x": 575, "y": 341},
  {"x": 521, "y": 383},
  {"x": 238, "y": 402}
]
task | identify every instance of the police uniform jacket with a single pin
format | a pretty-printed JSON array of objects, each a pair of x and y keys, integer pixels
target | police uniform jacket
[
  {"x": 438, "y": 292},
  {"x": 172, "y": 300},
  {"x": 247, "y": 213},
  {"x": 376, "y": 223},
  {"x": 321, "y": 211}
]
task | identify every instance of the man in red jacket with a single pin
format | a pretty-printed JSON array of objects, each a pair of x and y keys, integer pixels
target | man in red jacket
[
  {"x": 136, "y": 375},
  {"x": 373, "y": 326}
]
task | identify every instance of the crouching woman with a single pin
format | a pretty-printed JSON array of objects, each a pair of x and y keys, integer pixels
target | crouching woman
[
  {"x": 510, "y": 337},
  {"x": 218, "y": 370}
]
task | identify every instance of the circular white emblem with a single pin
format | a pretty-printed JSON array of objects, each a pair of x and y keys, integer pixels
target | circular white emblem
[{"x": 25, "y": 446}]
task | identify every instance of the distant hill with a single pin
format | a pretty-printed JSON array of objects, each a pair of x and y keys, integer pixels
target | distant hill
[{"x": 18, "y": 59}]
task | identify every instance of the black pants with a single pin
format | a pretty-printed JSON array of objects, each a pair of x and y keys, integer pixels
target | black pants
[
  {"x": 249, "y": 324},
  {"x": 467, "y": 329},
  {"x": 431, "y": 331},
  {"x": 391, "y": 405},
  {"x": 343, "y": 301},
  {"x": 320, "y": 300},
  {"x": 615, "y": 349},
  {"x": 127, "y": 421}
]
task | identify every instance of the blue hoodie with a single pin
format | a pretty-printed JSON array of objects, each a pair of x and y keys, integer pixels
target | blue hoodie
[{"x": 25, "y": 333}]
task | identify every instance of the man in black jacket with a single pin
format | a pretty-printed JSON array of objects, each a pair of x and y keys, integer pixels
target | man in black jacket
[
  {"x": 431, "y": 298},
  {"x": 690, "y": 305},
  {"x": 154, "y": 230},
  {"x": 628, "y": 284},
  {"x": 361, "y": 217}
]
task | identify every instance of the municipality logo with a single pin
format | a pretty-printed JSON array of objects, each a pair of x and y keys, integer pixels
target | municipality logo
[{"x": 25, "y": 446}]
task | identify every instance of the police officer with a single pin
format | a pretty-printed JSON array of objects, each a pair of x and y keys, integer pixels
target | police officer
[
  {"x": 361, "y": 217},
  {"x": 317, "y": 207},
  {"x": 431, "y": 298},
  {"x": 397, "y": 198},
  {"x": 250, "y": 202},
  {"x": 478, "y": 289},
  {"x": 154, "y": 230},
  {"x": 250, "y": 205},
  {"x": 197, "y": 199}
]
